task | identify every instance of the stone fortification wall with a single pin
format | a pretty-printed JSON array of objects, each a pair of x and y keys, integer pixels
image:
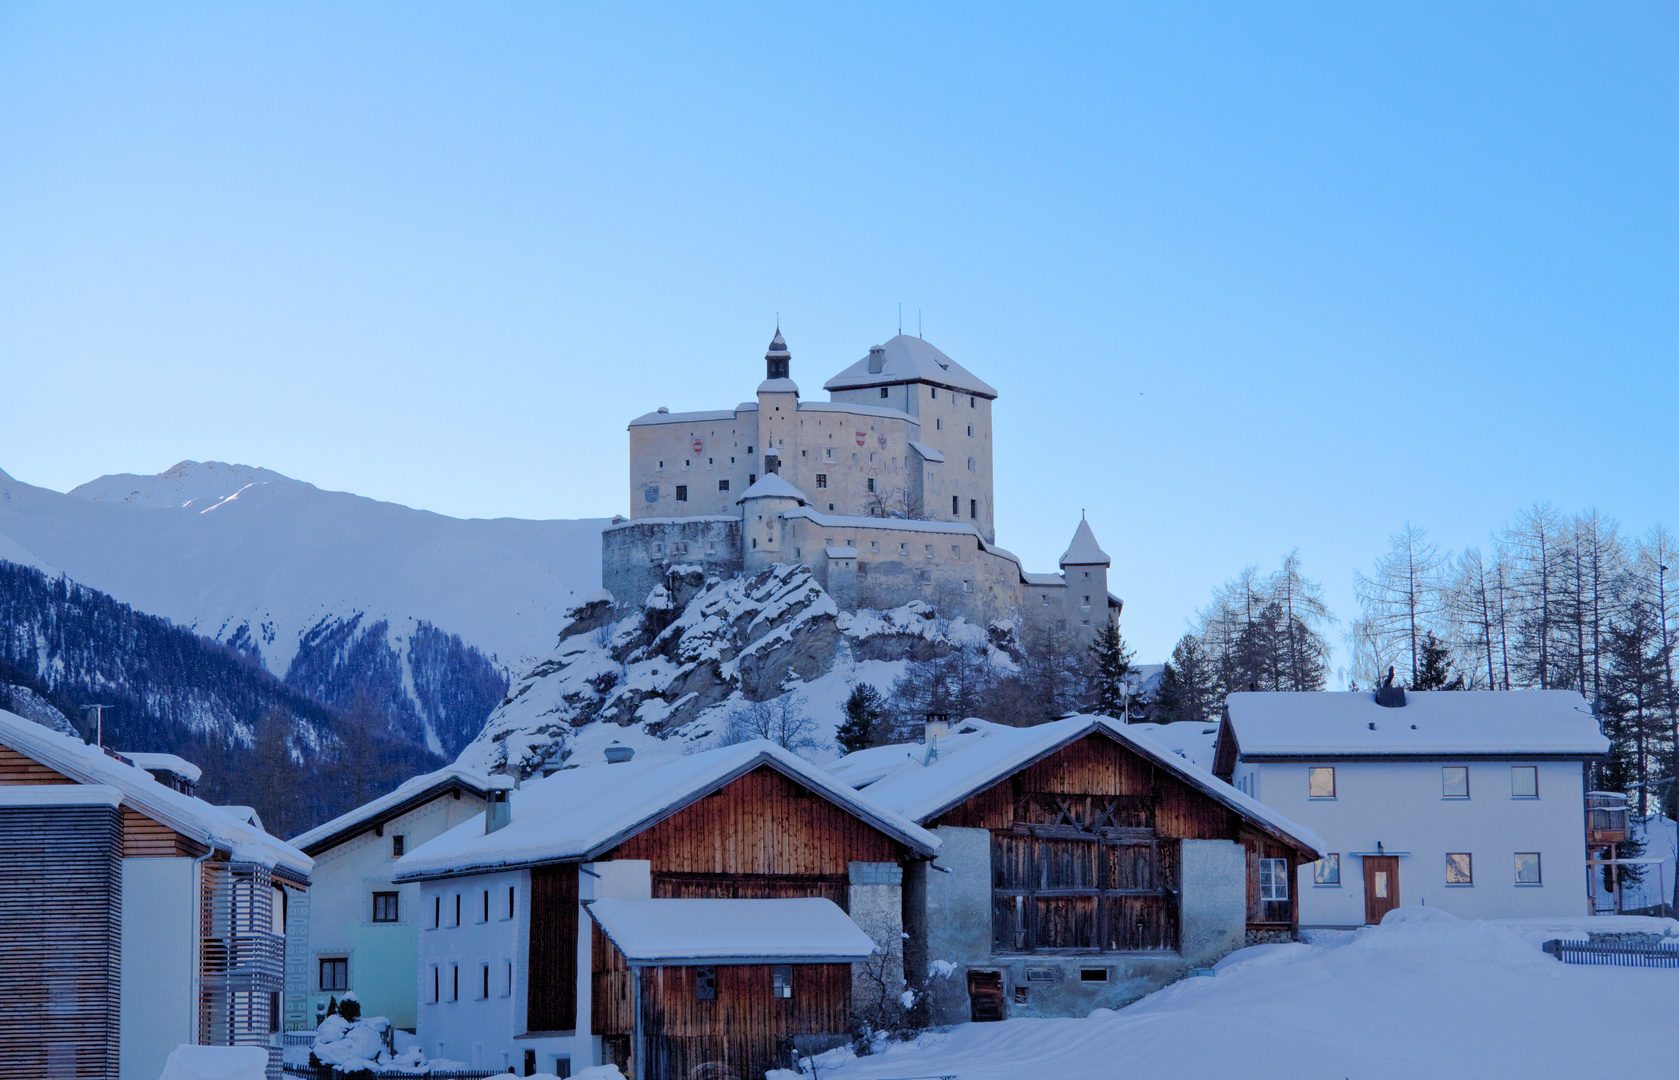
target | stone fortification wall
[
  {"x": 698, "y": 453},
  {"x": 636, "y": 556}
]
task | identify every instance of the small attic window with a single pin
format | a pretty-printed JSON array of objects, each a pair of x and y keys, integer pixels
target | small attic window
[
  {"x": 935, "y": 393},
  {"x": 883, "y": 392}
]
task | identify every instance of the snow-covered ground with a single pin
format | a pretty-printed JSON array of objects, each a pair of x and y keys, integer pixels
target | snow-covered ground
[{"x": 1422, "y": 995}]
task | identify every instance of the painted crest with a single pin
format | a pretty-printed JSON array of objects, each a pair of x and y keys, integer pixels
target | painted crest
[
  {"x": 862, "y": 438},
  {"x": 882, "y": 438},
  {"x": 651, "y": 493},
  {"x": 699, "y": 446}
]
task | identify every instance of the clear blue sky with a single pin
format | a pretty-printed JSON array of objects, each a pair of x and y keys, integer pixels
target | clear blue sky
[{"x": 1249, "y": 277}]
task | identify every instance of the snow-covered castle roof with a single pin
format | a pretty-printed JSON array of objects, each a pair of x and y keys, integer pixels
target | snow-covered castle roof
[
  {"x": 771, "y": 486},
  {"x": 907, "y": 359},
  {"x": 1084, "y": 550}
]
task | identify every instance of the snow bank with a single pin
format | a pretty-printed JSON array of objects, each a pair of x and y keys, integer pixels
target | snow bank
[{"x": 216, "y": 1063}]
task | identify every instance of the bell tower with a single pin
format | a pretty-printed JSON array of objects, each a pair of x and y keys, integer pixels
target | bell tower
[{"x": 778, "y": 359}]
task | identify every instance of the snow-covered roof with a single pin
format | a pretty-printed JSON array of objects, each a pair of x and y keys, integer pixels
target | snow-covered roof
[
  {"x": 860, "y": 410},
  {"x": 901, "y": 524},
  {"x": 1192, "y": 740},
  {"x": 20, "y": 795},
  {"x": 674, "y": 932},
  {"x": 1084, "y": 550},
  {"x": 778, "y": 386},
  {"x": 978, "y": 755},
  {"x": 911, "y": 359},
  {"x": 576, "y": 814},
  {"x": 409, "y": 795},
  {"x": 1043, "y": 579},
  {"x": 189, "y": 816},
  {"x": 707, "y": 416},
  {"x": 180, "y": 766},
  {"x": 771, "y": 486},
  {"x": 841, "y": 552},
  {"x": 927, "y": 452},
  {"x": 1457, "y": 723},
  {"x": 629, "y": 522}
]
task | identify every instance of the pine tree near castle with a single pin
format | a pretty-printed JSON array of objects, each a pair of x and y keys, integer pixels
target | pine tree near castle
[
  {"x": 863, "y": 711},
  {"x": 1112, "y": 665}
]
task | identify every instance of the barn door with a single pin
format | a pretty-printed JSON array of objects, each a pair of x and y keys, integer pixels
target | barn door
[
  {"x": 985, "y": 996},
  {"x": 1381, "y": 886}
]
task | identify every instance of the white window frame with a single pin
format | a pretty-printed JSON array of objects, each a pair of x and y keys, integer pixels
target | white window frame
[{"x": 1273, "y": 880}]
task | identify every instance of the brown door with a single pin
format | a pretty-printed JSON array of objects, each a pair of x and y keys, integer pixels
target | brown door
[
  {"x": 1381, "y": 886},
  {"x": 985, "y": 996}
]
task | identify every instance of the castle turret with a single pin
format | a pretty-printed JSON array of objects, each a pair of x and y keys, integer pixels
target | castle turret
[
  {"x": 1084, "y": 566},
  {"x": 778, "y": 359},
  {"x": 761, "y": 526},
  {"x": 778, "y": 405}
]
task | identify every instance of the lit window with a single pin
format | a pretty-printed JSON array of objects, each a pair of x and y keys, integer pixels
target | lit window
[
  {"x": 781, "y": 976},
  {"x": 1524, "y": 781},
  {"x": 385, "y": 907},
  {"x": 1459, "y": 869},
  {"x": 1273, "y": 879},
  {"x": 1527, "y": 868},
  {"x": 1322, "y": 783},
  {"x": 335, "y": 974},
  {"x": 705, "y": 984},
  {"x": 1327, "y": 870},
  {"x": 1455, "y": 779}
]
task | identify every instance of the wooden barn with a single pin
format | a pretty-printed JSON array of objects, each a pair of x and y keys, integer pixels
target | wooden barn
[
  {"x": 134, "y": 917},
  {"x": 1083, "y": 864},
  {"x": 516, "y": 971}
]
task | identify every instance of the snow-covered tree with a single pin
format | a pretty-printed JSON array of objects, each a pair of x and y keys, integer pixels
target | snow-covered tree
[{"x": 1111, "y": 666}]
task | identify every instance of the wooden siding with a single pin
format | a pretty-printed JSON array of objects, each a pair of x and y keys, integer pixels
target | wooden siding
[
  {"x": 16, "y": 768},
  {"x": 1098, "y": 766},
  {"x": 551, "y": 1001},
  {"x": 754, "y": 887},
  {"x": 143, "y": 838},
  {"x": 761, "y": 824},
  {"x": 60, "y": 936},
  {"x": 1271, "y": 914},
  {"x": 610, "y": 1009},
  {"x": 746, "y": 1030}
]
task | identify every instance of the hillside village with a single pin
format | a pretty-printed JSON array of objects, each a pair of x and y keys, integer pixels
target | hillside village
[{"x": 622, "y": 875}]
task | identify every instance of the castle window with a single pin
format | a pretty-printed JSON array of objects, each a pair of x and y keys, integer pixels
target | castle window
[
  {"x": 970, "y": 402},
  {"x": 871, "y": 483},
  {"x": 955, "y": 506},
  {"x": 938, "y": 423},
  {"x": 749, "y": 450},
  {"x": 967, "y": 586},
  {"x": 970, "y": 431},
  {"x": 970, "y": 464},
  {"x": 929, "y": 551},
  {"x": 682, "y": 493},
  {"x": 874, "y": 546},
  {"x": 956, "y": 551},
  {"x": 687, "y": 462},
  {"x": 1043, "y": 599},
  {"x": 804, "y": 453},
  {"x": 828, "y": 453},
  {"x": 830, "y": 508},
  {"x": 751, "y": 478},
  {"x": 854, "y": 458},
  {"x": 903, "y": 549},
  {"x": 731, "y": 461},
  {"x": 754, "y": 542},
  {"x": 935, "y": 393},
  {"x": 722, "y": 485},
  {"x": 827, "y": 541},
  {"x": 661, "y": 464},
  {"x": 709, "y": 462},
  {"x": 873, "y": 457},
  {"x": 883, "y": 392},
  {"x": 926, "y": 577},
  {"x": 821, "y": 479},
  {"x": 973, "y": 508}
]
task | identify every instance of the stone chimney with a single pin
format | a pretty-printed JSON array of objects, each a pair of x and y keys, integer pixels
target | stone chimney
[
  {"x": 938, "y": 726},
  {"x": 498, "y": 808},
  {"x": 616, "y": 754},
  {"x": 877, "y": 359}
]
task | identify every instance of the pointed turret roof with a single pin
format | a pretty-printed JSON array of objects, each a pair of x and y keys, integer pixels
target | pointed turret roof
[
  {"x": 1084, "y": 550},
  {"x": 771, "y": 486},
  {"x": 778, "y": 347}
]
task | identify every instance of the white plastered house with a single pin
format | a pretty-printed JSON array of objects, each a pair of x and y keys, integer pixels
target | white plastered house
[{"x": 1469, "y": 801}]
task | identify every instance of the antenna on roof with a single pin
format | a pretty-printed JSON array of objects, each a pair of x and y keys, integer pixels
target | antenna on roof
[
  {"x": 918, "y": 332},
  {"x": 900, "y": 317}
]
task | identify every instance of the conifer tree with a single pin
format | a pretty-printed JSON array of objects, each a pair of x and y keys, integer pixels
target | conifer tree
[
  {"x": 1435, "y": 671},
  {"x": 863, "y": 711},
  {"x": 1111, "y": 667},
  {"x": 1187, "y": 684}
]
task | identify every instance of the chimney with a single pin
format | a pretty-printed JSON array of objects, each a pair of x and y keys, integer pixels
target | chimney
[
  {"x": 877, "y": 359},
  {"x": 498, "y": 810},
  {"x": 1389, "y": 696},
  {"x": 616, "y": 753},
  {"x": 938, "y": 726}
]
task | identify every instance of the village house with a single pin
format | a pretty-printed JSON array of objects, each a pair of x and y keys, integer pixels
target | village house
[
  {"x": 1472, "y": 801},
  {"x": 134, "y": 917},
  {"x": 884, "y": 491},
  {"x": 1081, "y": 865},
  {"x": 356, "y": 929},
  {"x": 726, "y": 907}
]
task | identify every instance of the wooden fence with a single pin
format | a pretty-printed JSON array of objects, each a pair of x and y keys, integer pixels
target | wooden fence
[{"x": 1581, "y": 952}]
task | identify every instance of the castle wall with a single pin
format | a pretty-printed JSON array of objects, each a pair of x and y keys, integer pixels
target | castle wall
[
  {"x": 663, "y": 459},
  {"x": 959, "y": 427},
  {"x": 637, "y": 555}
]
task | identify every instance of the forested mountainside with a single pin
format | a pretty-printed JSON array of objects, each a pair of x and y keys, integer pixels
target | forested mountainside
[{"x": 296, "y": 758}]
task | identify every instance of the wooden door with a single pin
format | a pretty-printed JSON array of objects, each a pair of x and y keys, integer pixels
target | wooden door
[
  {"x": 985, "y": 996},
  {"x": 1381, "y": 886}
]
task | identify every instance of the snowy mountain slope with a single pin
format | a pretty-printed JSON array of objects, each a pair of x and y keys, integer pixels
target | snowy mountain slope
[
  {"x": 667, "y": 678},
  {"x": 282, "y": 570}
]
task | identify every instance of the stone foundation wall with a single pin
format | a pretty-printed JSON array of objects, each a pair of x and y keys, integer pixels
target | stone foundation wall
[{"x": 637, "y": 556}]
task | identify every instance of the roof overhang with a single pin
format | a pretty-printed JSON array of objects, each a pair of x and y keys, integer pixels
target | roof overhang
[{"x": 391, "y": 813}]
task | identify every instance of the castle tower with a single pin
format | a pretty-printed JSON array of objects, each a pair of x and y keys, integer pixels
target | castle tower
[
  {"x": 1084, "y": 566},
  {"x": 778, "y": 407},
  {"x": 762, "y": 529}
]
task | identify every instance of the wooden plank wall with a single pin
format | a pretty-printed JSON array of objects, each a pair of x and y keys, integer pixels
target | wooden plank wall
[
  {"x": 746, "y": 1030},
  {"x": 551, "y": 1001},
  {"x": 762, "y": 824},
  {"x": 16, "y": 768},
  {"x": 61, "y": 939},
  {"x": 1270, "y": 914},
  {"x": 611, "y": 1011},
  {"x": 1097, "y": 765},
  {"x": 143, "y": 838}
]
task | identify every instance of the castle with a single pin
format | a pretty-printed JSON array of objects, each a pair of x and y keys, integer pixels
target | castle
[{"x": 884, "y": 491}]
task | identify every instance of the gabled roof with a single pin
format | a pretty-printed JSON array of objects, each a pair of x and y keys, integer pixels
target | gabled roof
[
  {"x": 709, "y": 931},
  {"x": 980, "y": 755},
  {"x": 771, "y": 486},
  {"x": 579, "y": 814},
  {"x": 189, "y": 816},
  {"x": 707, "y": 416},
  {"x": 1431, "y": 723},
  {"x": 1084, "y": 550},
  {"x": 911, "y": 359},
  {"x": 927, "y": 452},
  {"x": 409, "y": 796}
]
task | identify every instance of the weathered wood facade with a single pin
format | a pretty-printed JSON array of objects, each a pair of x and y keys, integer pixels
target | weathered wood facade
[
  {"x": 1085, "y": 850},
  {"x": 551, "y": 997},
  {"x": 60, "y": 941}
]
